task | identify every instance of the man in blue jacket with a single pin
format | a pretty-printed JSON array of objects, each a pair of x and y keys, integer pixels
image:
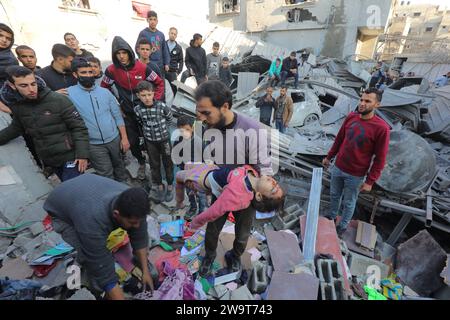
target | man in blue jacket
[
  {"x": 160, "y": 51},
  {"x": 101, "y": 114}
]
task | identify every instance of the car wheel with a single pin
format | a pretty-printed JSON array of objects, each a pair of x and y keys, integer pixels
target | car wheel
[{"x": 310, "y": 119}]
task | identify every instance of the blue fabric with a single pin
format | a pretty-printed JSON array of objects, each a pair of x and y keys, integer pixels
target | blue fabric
[
  {"x": 441, "y": 81},
  {"x": 279, "y": 125},
  {"x": 100, "y": 112},
  {"x": 161, "y": 55},
  {"x": 65, "y": 173},
  {"x": 288, "y": 74},
  {"x": 109, "y": 286},
  {"x": 18, "y": 289},
  {"x": 344, "y": 188}
]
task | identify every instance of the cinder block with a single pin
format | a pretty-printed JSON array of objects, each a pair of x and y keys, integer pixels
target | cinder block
[
  {"x": 258, "y": 279},
  {"x": 331, "y": 280},
  {"x": 289, "y": 221}
]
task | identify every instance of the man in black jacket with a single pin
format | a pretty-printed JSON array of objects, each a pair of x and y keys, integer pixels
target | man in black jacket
[
  {"x": 58, "y": 132},
  {"x": 290, "y": 69},
  {"x": 176, "y": 58},
  {"x": 266, "y": 104},
  {"x": 195, "y": 61},
  {"x": 58, "y": 75}
]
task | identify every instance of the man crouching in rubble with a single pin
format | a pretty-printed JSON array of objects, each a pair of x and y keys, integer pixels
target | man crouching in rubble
[
  {"x": 85, "y": 210},
  {"x": 362, "y": 136}
]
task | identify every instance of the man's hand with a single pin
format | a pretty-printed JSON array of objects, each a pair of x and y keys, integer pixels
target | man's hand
[
  {"x": 365, "y": 188},
  {"x": 82, "y": 164},
  {"x": 63, "y": 91},
  {"x": 166, "y": 67},
  {"x": 147, "y": 281},
  {"x": 5, "y": 108},
  {"x": 326, "y": 163},
  {"x": 286, "y": 124},
  {"x": 124, "y": 145}
]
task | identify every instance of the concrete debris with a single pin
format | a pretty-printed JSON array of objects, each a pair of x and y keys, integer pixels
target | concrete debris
[
  {"x": 420, "y": 261},
  {"x": 363, "y": 267},
  {"x": 446, "y": 272},
  {"x": 242, "y": 293},
  {"x": 15, "y": 269},
  {"x": 290, "y": 286},
  {"x": 332, "y": 284},
  {"x": 82, "y": 294}
]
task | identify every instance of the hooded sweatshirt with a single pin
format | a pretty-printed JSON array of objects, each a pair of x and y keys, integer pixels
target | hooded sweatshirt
[
  {"x": 196, "y": 60},
  {"x": 161, "y": 56},
  {"x": 100, "y": 112},
  {"x": 274, "y": 70},
  {"x": 7, "y": 58},
  {"x": 126, "y": 78}
]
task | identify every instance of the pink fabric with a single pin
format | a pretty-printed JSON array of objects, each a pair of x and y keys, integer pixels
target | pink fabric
[
  {"x": 172, "y": 257},
  {"x": 178, "y": 285},
  {"x": 124, "y": 257},
  {"x": 234, "y": 197}
]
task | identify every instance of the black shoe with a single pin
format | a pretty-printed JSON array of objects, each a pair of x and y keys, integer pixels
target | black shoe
[
  {"x": 191, "y": 213},
  {"x": 233, "y": 262},
  {"x": 340, "y": 231},
  {"x": 206, "y": 267}
]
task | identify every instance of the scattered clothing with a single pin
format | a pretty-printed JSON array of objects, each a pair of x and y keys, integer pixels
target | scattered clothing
[
  {"x": 441, "y": 81},
  {"x": 19, "y": 289}
]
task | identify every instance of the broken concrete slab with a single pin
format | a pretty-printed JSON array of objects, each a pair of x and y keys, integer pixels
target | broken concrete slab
[
  {"x": 420, "y": 261},
  {"x": 242, "y": 293},
  {"x": 289, "y": 286},
  {"x": 82, "y": 294},
  {"x": 363, "y": 267},
  {"x": 284, "y": 250},
  {"x": 15, "y": 269},
  {"x": 446, "y": 272}
]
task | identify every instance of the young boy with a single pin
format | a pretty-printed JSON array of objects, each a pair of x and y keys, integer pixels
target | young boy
[
  {"x": 96, "y": 66},
  {"x": 154, "y": 118},
  {"x": 7, "y": 58},
  {"x": 213, "y": 61},
  {"x": 197, "y": 200},
  {"x": 145, "y": 50},
  {"x": 27, "y": 56},
  {"x": 225, "y": 72}
]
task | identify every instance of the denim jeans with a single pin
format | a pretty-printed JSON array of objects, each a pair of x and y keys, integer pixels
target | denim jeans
[
  {"x": 344, "y": 188},
  {"x": 65, "y": 172},
  {"x": 287, "y": 74},
  {"x": 197, "y": 200},
  {"x": 280, "y": 126}
]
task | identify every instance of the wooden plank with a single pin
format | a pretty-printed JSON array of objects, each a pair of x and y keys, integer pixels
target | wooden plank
[{"x": 284, "y": 250}]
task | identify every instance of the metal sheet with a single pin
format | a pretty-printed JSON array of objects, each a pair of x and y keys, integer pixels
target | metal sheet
[
  {"x": 410, "y": 163},
  {"x": 312, "y": 215},
  {"x": 247, "y": 81}
]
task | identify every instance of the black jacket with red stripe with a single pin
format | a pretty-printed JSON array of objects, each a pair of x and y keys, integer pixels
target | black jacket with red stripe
[{"x": 126, "y": 78}]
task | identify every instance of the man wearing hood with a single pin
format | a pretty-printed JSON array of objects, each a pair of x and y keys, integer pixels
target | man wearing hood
[
  {"x": 101, "y": 114},
  {"x": 195, "y": 61},
  {"x": 125, "y": 73},
  {"x": 58, "y": 75},
  {"x": 7, "y": 58},
  {"x": 50, "y": 119}
]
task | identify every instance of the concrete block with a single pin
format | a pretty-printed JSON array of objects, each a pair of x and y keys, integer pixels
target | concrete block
[
  {"x": 289, "y": 221},
  {"x": 36, "y": 228},
  {"x": 332, "y": 285},
  {"x": 82, "y": 294},
  {"x": 361, "y": 266},
  {"x": 242, "y": 293},
  {"x": 258, "y": 279}
]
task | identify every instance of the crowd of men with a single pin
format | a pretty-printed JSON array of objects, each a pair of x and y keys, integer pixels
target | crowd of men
[{"x": 73, "y": 114}]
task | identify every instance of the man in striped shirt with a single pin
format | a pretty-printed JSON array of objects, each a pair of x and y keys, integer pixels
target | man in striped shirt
[{"x": 154, "y": 118}]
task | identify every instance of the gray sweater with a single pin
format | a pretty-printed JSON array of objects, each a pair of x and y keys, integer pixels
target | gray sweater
[
  {"x": 213, "y": 62},
  {"x": 86, "y": 203}
]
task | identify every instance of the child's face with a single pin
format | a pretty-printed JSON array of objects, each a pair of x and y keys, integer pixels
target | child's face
[
  {"x": 269, "y": 187},
  {"x": 5, "y": 39},
  {"x": 146, "y": 97},
  {"x": 186, "y": 131},
  {"x": 215, "y": 50},
  {"x": 225, "y": 64},
  {"x": 95, "y": 68},
  {"x": 144, "y": 51}
]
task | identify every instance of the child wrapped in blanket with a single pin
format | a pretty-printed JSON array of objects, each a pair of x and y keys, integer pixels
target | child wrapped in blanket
[{"x": 235, "y": 189}]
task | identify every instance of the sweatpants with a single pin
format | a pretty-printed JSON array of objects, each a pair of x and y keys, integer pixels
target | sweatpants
[{"x": 107, "y": 160}]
